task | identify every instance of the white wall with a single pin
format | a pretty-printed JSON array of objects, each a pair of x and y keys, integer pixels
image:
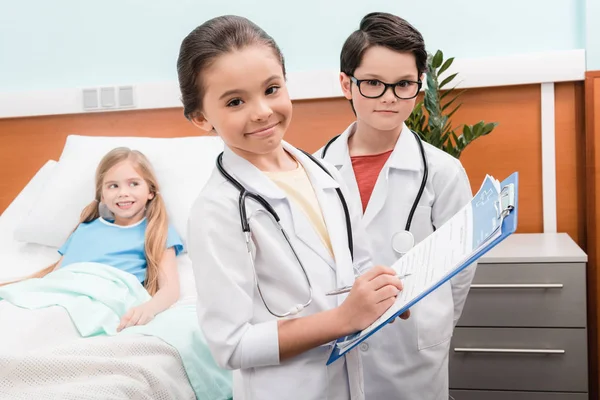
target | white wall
[{"x": 62, "y": 44}]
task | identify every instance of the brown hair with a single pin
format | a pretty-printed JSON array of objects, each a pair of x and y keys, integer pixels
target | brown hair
[
  {"x": 387, "y": 30},
  {"x": 201, "y": 47},
  {"x": 156, "y": 213}
]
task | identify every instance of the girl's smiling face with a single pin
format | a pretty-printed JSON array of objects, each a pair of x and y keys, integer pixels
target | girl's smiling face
[
  {"x": 125, "y": 193},
  {"x": 246, "y": 100}
]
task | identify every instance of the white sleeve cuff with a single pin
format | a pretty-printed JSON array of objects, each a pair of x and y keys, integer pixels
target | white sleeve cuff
[{"x": 260, "y": 345}]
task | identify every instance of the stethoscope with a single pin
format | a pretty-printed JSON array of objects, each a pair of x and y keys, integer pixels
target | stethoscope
[
  {"x": 244, "y": 194},
  {"x": 404, "y": 240}
]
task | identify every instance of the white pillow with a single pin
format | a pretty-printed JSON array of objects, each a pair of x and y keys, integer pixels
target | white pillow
[
  {"x": 20, "y": 206},
  {"x": 182, "y": 166},
  {"x": 21, "y": 259}
]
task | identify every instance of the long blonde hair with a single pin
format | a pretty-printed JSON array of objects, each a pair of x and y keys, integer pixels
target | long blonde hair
[{"x": 155, "y": 240}]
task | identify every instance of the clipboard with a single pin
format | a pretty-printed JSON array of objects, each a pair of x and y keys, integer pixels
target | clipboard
[{"x": 507, "y": 209}]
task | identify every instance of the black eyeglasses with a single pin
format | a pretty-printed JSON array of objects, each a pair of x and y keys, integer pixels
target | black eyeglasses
[{"x": 374, "y": 88}]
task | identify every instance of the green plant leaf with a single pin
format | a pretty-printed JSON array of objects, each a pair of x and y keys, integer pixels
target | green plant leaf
[
  {"x": 446, "y": 65},
  {"x": 437, "y": 59},
  {"x": 467, "y": 132},
  {"x": 444, "y": 122},
  {"x": 431, "y": 104},
  {"x": 434, "y": 123},
  {"x": 477, "y": 129},
  {"x": 489, "y": 127},
  {"x": 455, "y": 139},
  {"x": 416, "y": 120},
  {"x": 447, "y": 80},
  {"x": 451, "y": 113},
  {"x": 449, "y": 103},
  {"x": 432, "y": 117},
  {"x": 452, "y": 91},
  {"x": 432, "y": 85}
]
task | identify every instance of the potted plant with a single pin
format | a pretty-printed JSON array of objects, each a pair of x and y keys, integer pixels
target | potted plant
[{"x": 431, "y": 118}]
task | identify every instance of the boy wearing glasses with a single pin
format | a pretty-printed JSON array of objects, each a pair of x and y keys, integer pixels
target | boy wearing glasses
[{"x": 407, "y": 189}]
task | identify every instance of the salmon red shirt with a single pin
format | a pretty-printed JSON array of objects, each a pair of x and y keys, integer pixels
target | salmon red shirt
[{"x": 366, "y": 170}]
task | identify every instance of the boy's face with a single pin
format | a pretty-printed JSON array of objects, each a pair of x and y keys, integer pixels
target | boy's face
[
  {"x": 387, "y": 112},
  {"x": 246, "y": 100}
]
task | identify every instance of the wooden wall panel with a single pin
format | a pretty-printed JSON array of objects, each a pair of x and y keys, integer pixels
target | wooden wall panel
[
  {"x": 515, "y": 145},
  {"x": 316, "y": 121},
  {"x": 592, "y": 129},
  {"x": 570, "y": 160}
]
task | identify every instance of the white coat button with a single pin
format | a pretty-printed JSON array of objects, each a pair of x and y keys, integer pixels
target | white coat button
[{"x": 364, "y": 346}]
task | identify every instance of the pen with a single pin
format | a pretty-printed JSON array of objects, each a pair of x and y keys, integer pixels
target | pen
[{"x": 346, "y": 289}]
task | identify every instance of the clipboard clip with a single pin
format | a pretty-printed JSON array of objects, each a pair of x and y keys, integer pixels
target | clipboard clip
[{"x": 506, "y": 201}]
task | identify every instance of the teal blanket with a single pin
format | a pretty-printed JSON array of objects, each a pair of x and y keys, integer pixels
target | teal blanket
[{"x": 97, "y": 295}]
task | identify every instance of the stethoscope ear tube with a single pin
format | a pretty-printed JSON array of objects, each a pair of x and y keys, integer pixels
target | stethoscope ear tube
[
  {"x": 342, "y": 200},
  {"x": 348, "y": 223},
  {"x": 423, "y": 183},
  {"x": 242, "y": 205}
]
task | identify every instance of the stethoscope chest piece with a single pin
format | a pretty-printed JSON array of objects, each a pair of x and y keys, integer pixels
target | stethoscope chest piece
[{"x": 402, "y": 242}]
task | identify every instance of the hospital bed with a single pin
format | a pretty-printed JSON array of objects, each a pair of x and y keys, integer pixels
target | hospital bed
[{"x": 42, "y": 355}]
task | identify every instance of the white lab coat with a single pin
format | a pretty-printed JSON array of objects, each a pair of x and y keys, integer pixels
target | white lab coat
[
  {"x": 409, "y": 359},
  {"x": 242, "y": 335}
]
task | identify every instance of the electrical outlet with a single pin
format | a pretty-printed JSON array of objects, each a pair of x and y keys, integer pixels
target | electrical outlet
[
  {"x": 108, "y": 97},
  {"x": 126, "y": 97},
  {"x": 90, "y": 99}
]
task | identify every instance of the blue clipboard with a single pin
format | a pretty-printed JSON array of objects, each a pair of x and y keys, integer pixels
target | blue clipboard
[{"x": 509, "y": 206}]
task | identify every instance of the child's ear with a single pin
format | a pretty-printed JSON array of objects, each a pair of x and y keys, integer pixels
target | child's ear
[
  {"x": 346, "y": 84},
  {"x": 150, "y": 196},
  {"x": 201, "y": 122}
]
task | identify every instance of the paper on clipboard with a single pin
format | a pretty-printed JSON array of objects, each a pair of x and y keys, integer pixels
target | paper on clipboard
[{"x": 441, "y": 254}]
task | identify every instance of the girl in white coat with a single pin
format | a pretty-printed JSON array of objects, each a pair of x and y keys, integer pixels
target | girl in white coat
[
  {"x": 382, "y": 162},
  {"x": 232, "y": 79}
]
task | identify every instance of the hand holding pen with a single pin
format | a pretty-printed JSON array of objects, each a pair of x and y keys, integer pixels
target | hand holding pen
[
  {"x": 371, "y": 295},
  {"x": 346, "y": 289}
]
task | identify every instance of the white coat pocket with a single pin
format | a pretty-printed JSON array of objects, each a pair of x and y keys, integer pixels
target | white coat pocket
[{"x": 434, "y": 317}]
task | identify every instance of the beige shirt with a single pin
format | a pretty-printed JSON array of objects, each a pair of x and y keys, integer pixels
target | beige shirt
[{"x": 298, "y": 188}]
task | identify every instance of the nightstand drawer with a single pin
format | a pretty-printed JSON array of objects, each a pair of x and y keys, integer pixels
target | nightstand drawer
[
  {"x": 488, "y": 395},
  {"x": 519, "y": 359},
  {"x": 527, "y": 295}
]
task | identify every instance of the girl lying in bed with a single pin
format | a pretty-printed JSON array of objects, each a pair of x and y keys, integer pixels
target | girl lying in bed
[
  {"x": 126, "y": 227},
  {"x": 123, "y": 240}
]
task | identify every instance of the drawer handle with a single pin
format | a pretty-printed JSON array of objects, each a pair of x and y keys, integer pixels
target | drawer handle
[
  {"x": 508, "y": 351},
  {"x": 517, "y": 286}
]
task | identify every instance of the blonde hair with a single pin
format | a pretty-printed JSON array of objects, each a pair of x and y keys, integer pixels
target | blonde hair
[{"x": 155, "y": 240}]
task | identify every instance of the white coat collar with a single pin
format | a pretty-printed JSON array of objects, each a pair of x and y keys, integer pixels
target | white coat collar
[
  {"x": 254, "y": 180},
  {"x": 406, "y": 154},
  {"x": 337, "y": 153}
]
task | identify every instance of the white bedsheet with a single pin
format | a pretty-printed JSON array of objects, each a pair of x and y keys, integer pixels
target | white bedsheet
[{"x": 43, "y": 357}]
